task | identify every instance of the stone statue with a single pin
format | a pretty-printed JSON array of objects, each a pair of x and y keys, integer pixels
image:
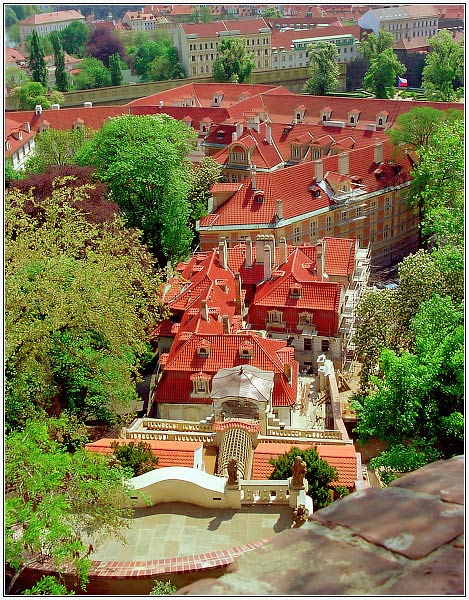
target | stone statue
[
  {"x": 298, "y": 472},
  {"x": 232, "y": 472}
]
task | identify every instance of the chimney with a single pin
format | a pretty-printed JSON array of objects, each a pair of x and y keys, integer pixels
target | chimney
[
  {"x": 55, "y": 106},
  {"x": 226, "y": 324},
  {"x": 267, "y": 262},
  {"x": 234, "y": 136},
  {"x": 253, "y": 177},
  {"x": 38, "y": 109},
  {"x": 239, "y": 129},
  {"x": 222, "y": 254},
  {"x": 260, "y": 243},
  {"x": 318, "y": 170},
  {"x": 204, "y": 310},
  {"x": 343, "y": 163},
  {"x": 248, "y": 253},
  {"x": 378, "y": 156},
  {"x": 161, "y": 104},
  {"x": 268, "y": 133},
  {"x": 238, "y": 300},
  {"x": 320, "y": 260},
  {"x": 270, "y": 239},
  {"x": 87, "y": 104},
  {"x": 282, "y": 251},
  {"x": 279, "y": 209}
]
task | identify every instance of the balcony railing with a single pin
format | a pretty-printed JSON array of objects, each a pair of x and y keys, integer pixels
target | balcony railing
[{"x": 264, "y": 492}]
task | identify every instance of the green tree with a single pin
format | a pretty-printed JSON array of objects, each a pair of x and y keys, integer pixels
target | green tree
[
  {"x": 10, "y": 16},
  {"x": 48, "y": 586},
  {"x": 15, "y": 76},
  {"x": 55, "y": 498},
  {"x": 163, "y": 588},
  {"x": 204, "y": 175},
  {"x": 25, "y": 10},
  {"x": 115, "y": 70},
  {"x": 74, "y": 38},
  {"x": 144, "y": 161},
  {"x": 31, "y": 94},
  {"x": 79, "y": 296},
  {"x": 319, "y": 474},
  {"x": 438, "y": 180},
  {"x": 234, "y": 63},
  {"x": 138, "y": 457},
  {"x": 271, "y": 12},
  {"x": 372, "y": 44},
  {"x": 10, "y": 174},
  {"x": 37, "y": 63},
  {"x": 324, "y": 69},
  {"x": 61, "y": 76},
  {"x": 382, "y": 73},
  {"x": 93, "y": 74},
  {"x": 201, "y": 14},
  {"x": 414, "y": 129},
  {"x": 418, "y": 404},
  {"x": 54, "y": 147},
  {"x": 443, "y": 68}
]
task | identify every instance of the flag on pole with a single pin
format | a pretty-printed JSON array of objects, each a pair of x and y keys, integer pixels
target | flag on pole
[{"x": 401, "y": 82}]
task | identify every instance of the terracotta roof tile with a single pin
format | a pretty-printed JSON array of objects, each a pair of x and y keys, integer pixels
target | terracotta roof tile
[
  {"x": 343, "y": 458},
  {"x": 170, "y": 454}
]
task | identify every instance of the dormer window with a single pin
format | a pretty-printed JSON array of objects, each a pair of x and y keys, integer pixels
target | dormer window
[
  {"x": 220, "y": 134},
  {"x": 259, "y": 196},
  {"x": 245, "y": 350},
  {"x": 203, "y": 349},
  {"x": 353, "y": 117},
  {"x": 381, "y": 118},
  {"x": 7, "y": 146},
  {"x": 200, "y": 384},
  {"x": 326, "y": 113},
  {"x": 295, "y": 291},
  {"x": 77, "y": 123}
]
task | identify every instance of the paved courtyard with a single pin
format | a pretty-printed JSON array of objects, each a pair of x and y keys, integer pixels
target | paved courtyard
[{"x": 178, "y": 529}]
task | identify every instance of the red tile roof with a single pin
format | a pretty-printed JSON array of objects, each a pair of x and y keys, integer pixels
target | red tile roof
[
  {"x": 12, "y": 55},
  {"x": 211, "y": 30},
  {"x": 52, "y": 17},
  {"x": 13, "y": 131},
  {"x": 343, "y": 458},
  {"x": 170, "y": 454},
  {"x": 286, "y": 38},
  {"x": 183, "y": 360}
]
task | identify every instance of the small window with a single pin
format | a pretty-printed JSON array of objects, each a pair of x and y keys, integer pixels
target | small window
[
  {"x": 329, "y": 224},
  {"x": 274, "y": 316},
  {"x": 307, "y": 344},
  {"x": 295, "y": 292},
  {"x": 296, "y": 235},
  {"x": 325, "y": 346}
]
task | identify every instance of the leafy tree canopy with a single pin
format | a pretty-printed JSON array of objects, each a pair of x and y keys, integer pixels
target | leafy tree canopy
[
  {"x": 382, "y": 73},
  {"x": 324, "y": 69},
  {"x": 319, "y": 474},
  {"x": 93, "y": 74},
  {"x": 32, "y": 93},
  {"x": 203, "y": 176},
  {"x": 443, "y": 68},
  {"x": 144, "y": 161},
  {"x": 234, "y": 63},
  {"x": 103, "y": 43},
  {"x": 74, "y": 38},
  {"x": 137, "y": 457},
  {"x": 79, "y": 297},
  {"x": 55, "y": 147},
  {"x": 37, "y": 63},
  {"x": 163, "y": 588},
  {"x": 414, "y": 129},
  {"x": 54, "y": 499},
  {"x": 373, "y": 44},
  {"x": 271, "y": 12},
  {"x": 115, "y": 70},
  {"x": 15, "y": 76}
]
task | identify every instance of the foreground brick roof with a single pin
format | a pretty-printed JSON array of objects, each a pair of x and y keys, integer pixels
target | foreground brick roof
[{"x": 407, "y": 539}]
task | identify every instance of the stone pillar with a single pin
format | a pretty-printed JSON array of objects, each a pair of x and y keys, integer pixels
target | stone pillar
[{"x": 233, "y": 495}]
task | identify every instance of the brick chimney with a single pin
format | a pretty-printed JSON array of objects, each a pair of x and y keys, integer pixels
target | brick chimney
[
  {"x": 268, "y": 133},
  {"x": 318, "y": 170},
  {"x": 253, "y": 177},
  {"x": 282, "y": 251},
  {"x": 248, "y": 242},
  {"x": 260, "y": 243},
  {"x": 238, "y": 296},
  {"x": 223, "y": 254},
  {"x": 267, "y": 262},
  {"x": 343, "y": 163},
  {"x": 226, "y": 324},
  {"x": 320, "y": 251},
  {"x": 239, "y": 129},
  {"x": 204, "y": 310},
  {"x": 378, "y": 153},
  {"x": 279, "y": 209}
]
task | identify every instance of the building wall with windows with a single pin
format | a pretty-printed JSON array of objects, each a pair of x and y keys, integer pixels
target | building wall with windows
[
  {"x": 403, "y": 22},
  {"x": 46, "y": 23}
]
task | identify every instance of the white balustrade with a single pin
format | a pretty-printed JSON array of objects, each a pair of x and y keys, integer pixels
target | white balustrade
[{"x": 264, "y": 492}]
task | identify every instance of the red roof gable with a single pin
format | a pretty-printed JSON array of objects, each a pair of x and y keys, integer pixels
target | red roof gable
[{"x": 209, "y": 30}]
